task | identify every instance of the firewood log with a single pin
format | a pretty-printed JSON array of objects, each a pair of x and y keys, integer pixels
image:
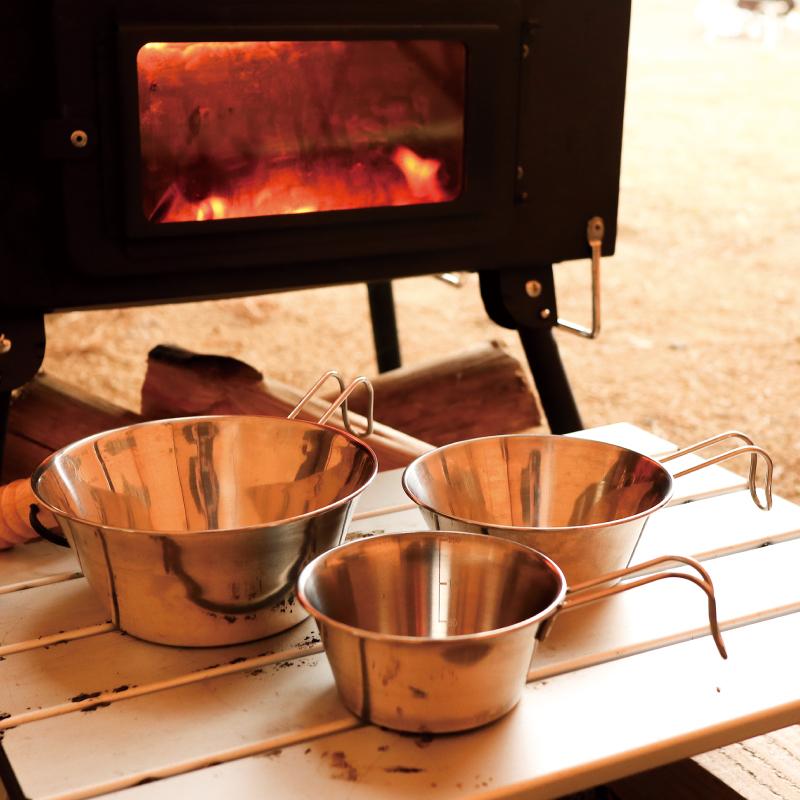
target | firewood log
[
  {"x": 47, "y": 415},
  {"x": 478, "y": 392},
  {"x": 50, "y": 414},
  {"x": 179, "y": 382},
  {"x": 481, "y": 391}
]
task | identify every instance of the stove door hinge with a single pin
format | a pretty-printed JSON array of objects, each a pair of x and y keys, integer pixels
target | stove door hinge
[
  {"x": 68, "y": 139},
  {"x": 528, "y": 32},
  {"x": 530, "y": 27},
  {"x": 595, "y": 231}
]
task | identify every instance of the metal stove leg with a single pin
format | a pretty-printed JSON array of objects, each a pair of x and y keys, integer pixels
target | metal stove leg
[
  {"x": 551, "y": 380},
  {"x": 384, "y": 325},
  {"x": 524, "y": 299}
]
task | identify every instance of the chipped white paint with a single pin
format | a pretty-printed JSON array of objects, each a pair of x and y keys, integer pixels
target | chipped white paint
[
  {"x": 96, "y": 700},
  {"x": 568, "y": 732}
]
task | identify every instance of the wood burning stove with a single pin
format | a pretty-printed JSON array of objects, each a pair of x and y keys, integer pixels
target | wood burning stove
[{"x": 160, "y": 150}]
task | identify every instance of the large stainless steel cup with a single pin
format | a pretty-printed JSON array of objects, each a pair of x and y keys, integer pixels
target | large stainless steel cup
[
  {"x": 435, "y": 632},
  {"x": 581, "y": 502},
  {"x": 193, "y": 531}
]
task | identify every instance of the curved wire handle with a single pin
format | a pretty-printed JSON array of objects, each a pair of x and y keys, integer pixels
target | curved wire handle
[
  {"x": 703, "y": 582},
  {"x": 54, "y": 536},
  {"x": 595, "y": 231},
  {"x": 341, "y": 400},
  {"x": 749, "y": 447}
]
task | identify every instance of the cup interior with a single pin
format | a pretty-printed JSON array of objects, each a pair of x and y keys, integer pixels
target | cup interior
[
  {"x": 528, "y": 481},
  {"x": 204, "y": 473},
  {"x": 431, "y": 585}
]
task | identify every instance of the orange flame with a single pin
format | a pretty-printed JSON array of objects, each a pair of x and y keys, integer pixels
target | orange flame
[
  {"x": 421, "y": 175},
  {"x": 404, "y": 178},
  {"x": 250, "y": 129}
]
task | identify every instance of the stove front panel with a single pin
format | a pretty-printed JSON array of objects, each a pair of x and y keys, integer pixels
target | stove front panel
[{"x": 169, "y": 149}]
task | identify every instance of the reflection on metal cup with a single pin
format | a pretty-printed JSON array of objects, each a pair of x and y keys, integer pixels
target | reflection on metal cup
[
  {"x": 434, "y": 632},
  {"x": 581, "y": 502},
  {"x": 193, "y": 531}
]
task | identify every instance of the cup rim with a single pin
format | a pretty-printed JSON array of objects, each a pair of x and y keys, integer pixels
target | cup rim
[
  {"x": 407, "y": 639},
  {"x": 40, "y": 470},
  {"x": 545, "y": 528}
]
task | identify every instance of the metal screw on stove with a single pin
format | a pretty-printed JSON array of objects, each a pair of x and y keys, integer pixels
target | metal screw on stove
[
  {"x": 5, "y": 344},
  {"x": 79, "y": 138},
  {"x": 533, "y": 288},
  {"x": 545, "y": 313}
]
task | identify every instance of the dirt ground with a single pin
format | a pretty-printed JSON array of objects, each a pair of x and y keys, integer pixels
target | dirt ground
[{"x": 701, "y": 322}]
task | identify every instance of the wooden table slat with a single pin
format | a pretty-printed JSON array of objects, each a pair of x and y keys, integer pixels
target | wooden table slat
[
  {"x": 46, "y": 610},
  {"x": 568, "y": 733},
  {"x": 55, "y": 675},
  {"x": 696, "y": 528},
  {"x": 36, "y": 559}
]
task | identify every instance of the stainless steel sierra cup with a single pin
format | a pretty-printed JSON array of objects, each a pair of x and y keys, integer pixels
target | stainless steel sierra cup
[
  {"x": 581, "y": 502},
  {"x": 435, "y": 631},
  {"x": 193, "y": 531}
]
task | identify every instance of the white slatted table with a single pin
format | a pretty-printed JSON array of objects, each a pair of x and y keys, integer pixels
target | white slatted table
[{"x": 620, "y": 686}]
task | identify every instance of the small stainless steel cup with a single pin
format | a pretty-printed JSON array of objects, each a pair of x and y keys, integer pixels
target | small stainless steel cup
[{"x": 434, "y": 632}]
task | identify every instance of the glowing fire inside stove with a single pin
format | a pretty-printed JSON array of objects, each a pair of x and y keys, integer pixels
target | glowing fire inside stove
[{"x": 248, "y": 129}]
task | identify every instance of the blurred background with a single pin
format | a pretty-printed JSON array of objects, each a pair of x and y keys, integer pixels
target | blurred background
[{"x": 701, "y": 319}]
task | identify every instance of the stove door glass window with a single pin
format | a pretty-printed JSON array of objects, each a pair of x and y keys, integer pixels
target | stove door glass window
[{"x": 251, "y": 129}]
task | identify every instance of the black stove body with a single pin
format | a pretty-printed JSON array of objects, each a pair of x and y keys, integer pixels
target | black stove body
[{"x": 163, "y": 150}]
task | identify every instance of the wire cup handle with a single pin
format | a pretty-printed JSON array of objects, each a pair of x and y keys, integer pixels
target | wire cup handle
[
  {"x": 341, "y": 400},
  {"x": 592, "y": 590},
  {"x": 749, "y": 447}
]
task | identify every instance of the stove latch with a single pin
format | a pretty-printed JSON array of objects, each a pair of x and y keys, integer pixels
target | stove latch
[{"x": 595, "y": 230}]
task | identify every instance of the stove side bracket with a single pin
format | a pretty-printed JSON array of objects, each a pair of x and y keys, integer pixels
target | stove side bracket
[
  {"x": 524, "y": 299},
  {"x": 22, "y": 345}
]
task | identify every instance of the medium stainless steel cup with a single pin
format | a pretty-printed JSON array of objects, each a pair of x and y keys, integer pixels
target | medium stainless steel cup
[
  {"x": 193, "y": 531},
  {"x": 435, "y": 632},
  {"x": 581, "y": 502}
]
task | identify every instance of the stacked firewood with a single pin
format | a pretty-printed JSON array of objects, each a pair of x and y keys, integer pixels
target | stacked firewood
[{"x": 481, "y": 391}]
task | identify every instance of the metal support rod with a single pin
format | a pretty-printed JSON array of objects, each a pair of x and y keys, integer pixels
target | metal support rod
[
  {"x": 552, "y": 384},
  {"x": 384, "y": 325}
]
